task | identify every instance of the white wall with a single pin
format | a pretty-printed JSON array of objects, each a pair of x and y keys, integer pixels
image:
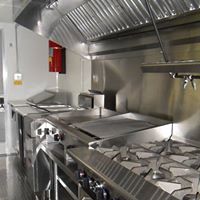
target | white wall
[
  {"x": 33, "y": 64},
  {"x": 77, "y": 78},
  {"x": 6, "y": 10}
]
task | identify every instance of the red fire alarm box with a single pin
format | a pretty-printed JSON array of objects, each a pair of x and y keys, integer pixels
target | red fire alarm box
[{"x": 56, "y": 58}]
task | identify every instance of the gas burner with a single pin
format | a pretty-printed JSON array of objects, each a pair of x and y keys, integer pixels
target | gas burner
[
  {"x": 126, "y": 154},
  {"x": 167, "y": 147},
  {"x": 171, "y": 165},
  {"x": 196, "y": 164},
  {"x": 154, "y": 170}
]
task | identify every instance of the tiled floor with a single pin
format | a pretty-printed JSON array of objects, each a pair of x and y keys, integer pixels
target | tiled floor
[{"x": 13, "y": 184}]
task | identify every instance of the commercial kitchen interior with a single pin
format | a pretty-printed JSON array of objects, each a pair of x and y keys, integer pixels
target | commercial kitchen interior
[{"x": 99, "y": 99}]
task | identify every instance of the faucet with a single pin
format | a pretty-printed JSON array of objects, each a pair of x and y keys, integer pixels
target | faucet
[{"x": 187, "y": 78}]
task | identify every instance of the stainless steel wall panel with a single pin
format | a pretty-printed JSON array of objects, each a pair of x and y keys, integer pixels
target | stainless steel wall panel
[{"x": 119, "y": 76}]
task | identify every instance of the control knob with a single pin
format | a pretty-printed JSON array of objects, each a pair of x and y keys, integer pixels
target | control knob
[
  {"x": 46, "y": 131},
  {"x": 59, "y": 137},
  {"x": 102, "y": 193},
  {"x": 53, "y": 131},
  {"x": 56, "y": 137}
]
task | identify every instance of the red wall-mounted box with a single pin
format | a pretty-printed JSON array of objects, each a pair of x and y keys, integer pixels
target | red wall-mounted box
[{"x": 56, "y": 58}]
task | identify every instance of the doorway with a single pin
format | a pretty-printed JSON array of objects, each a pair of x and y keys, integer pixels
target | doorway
[{"x": 2, "y": 110}]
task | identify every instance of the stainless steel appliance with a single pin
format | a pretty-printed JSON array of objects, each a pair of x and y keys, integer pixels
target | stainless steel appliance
[
  {"x": 46, "y": 102},
  {"x": 149, "y": 164},
  {"x": 21, "y": 113},
  {"x": 37, "y": 164},
  {"x": 78, "y": 128},
  {"x": 28, "y": 114},
  {"x": 91, "y": 100}
]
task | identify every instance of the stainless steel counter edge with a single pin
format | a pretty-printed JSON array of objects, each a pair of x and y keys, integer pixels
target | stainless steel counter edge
[{"x": 127, "y": 183}]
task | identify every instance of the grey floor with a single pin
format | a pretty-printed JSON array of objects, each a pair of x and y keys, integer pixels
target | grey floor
[{"x": 13, "y": 183}]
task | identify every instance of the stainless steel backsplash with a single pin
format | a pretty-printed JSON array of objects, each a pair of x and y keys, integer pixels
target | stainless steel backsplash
[{"x": 116, "y": 71}]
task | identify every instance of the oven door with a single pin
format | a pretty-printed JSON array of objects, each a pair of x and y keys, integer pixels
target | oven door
[{"x": 38, "y": 165}]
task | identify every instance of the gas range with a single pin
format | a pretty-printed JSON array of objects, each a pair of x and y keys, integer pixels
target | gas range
[
  {"x": 149, "y": 164},
  {"x": 170, "y": 165}
]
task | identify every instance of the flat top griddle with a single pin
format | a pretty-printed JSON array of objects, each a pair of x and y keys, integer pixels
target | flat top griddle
[{"x": 113, "y": 126}]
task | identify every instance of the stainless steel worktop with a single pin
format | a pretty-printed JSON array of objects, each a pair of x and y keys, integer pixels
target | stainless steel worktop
[
  {"x": 18, "y": 103},
  {"x": 119, "y": 125},
  {"x": 26, "y": 110},
  {"x": 80, "y": 116},
  {"x": 103, "y": 123}
]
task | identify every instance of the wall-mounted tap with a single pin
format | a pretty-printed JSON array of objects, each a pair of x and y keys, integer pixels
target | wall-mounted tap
[
  {"x": 194, "y": 85},
  {"x": 187, "y": 78}
]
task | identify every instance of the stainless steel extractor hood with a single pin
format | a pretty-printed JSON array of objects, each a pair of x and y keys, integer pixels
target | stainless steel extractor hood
[{"x": 71, "y": 23}]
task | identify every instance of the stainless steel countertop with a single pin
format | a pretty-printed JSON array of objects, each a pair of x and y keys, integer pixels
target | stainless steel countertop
[
  {"x": 18, "y": 103},
  {"x": 119, "y": 125},
  {"x": 75, "y": 116},
  {"x": 26, "y": 110}
]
